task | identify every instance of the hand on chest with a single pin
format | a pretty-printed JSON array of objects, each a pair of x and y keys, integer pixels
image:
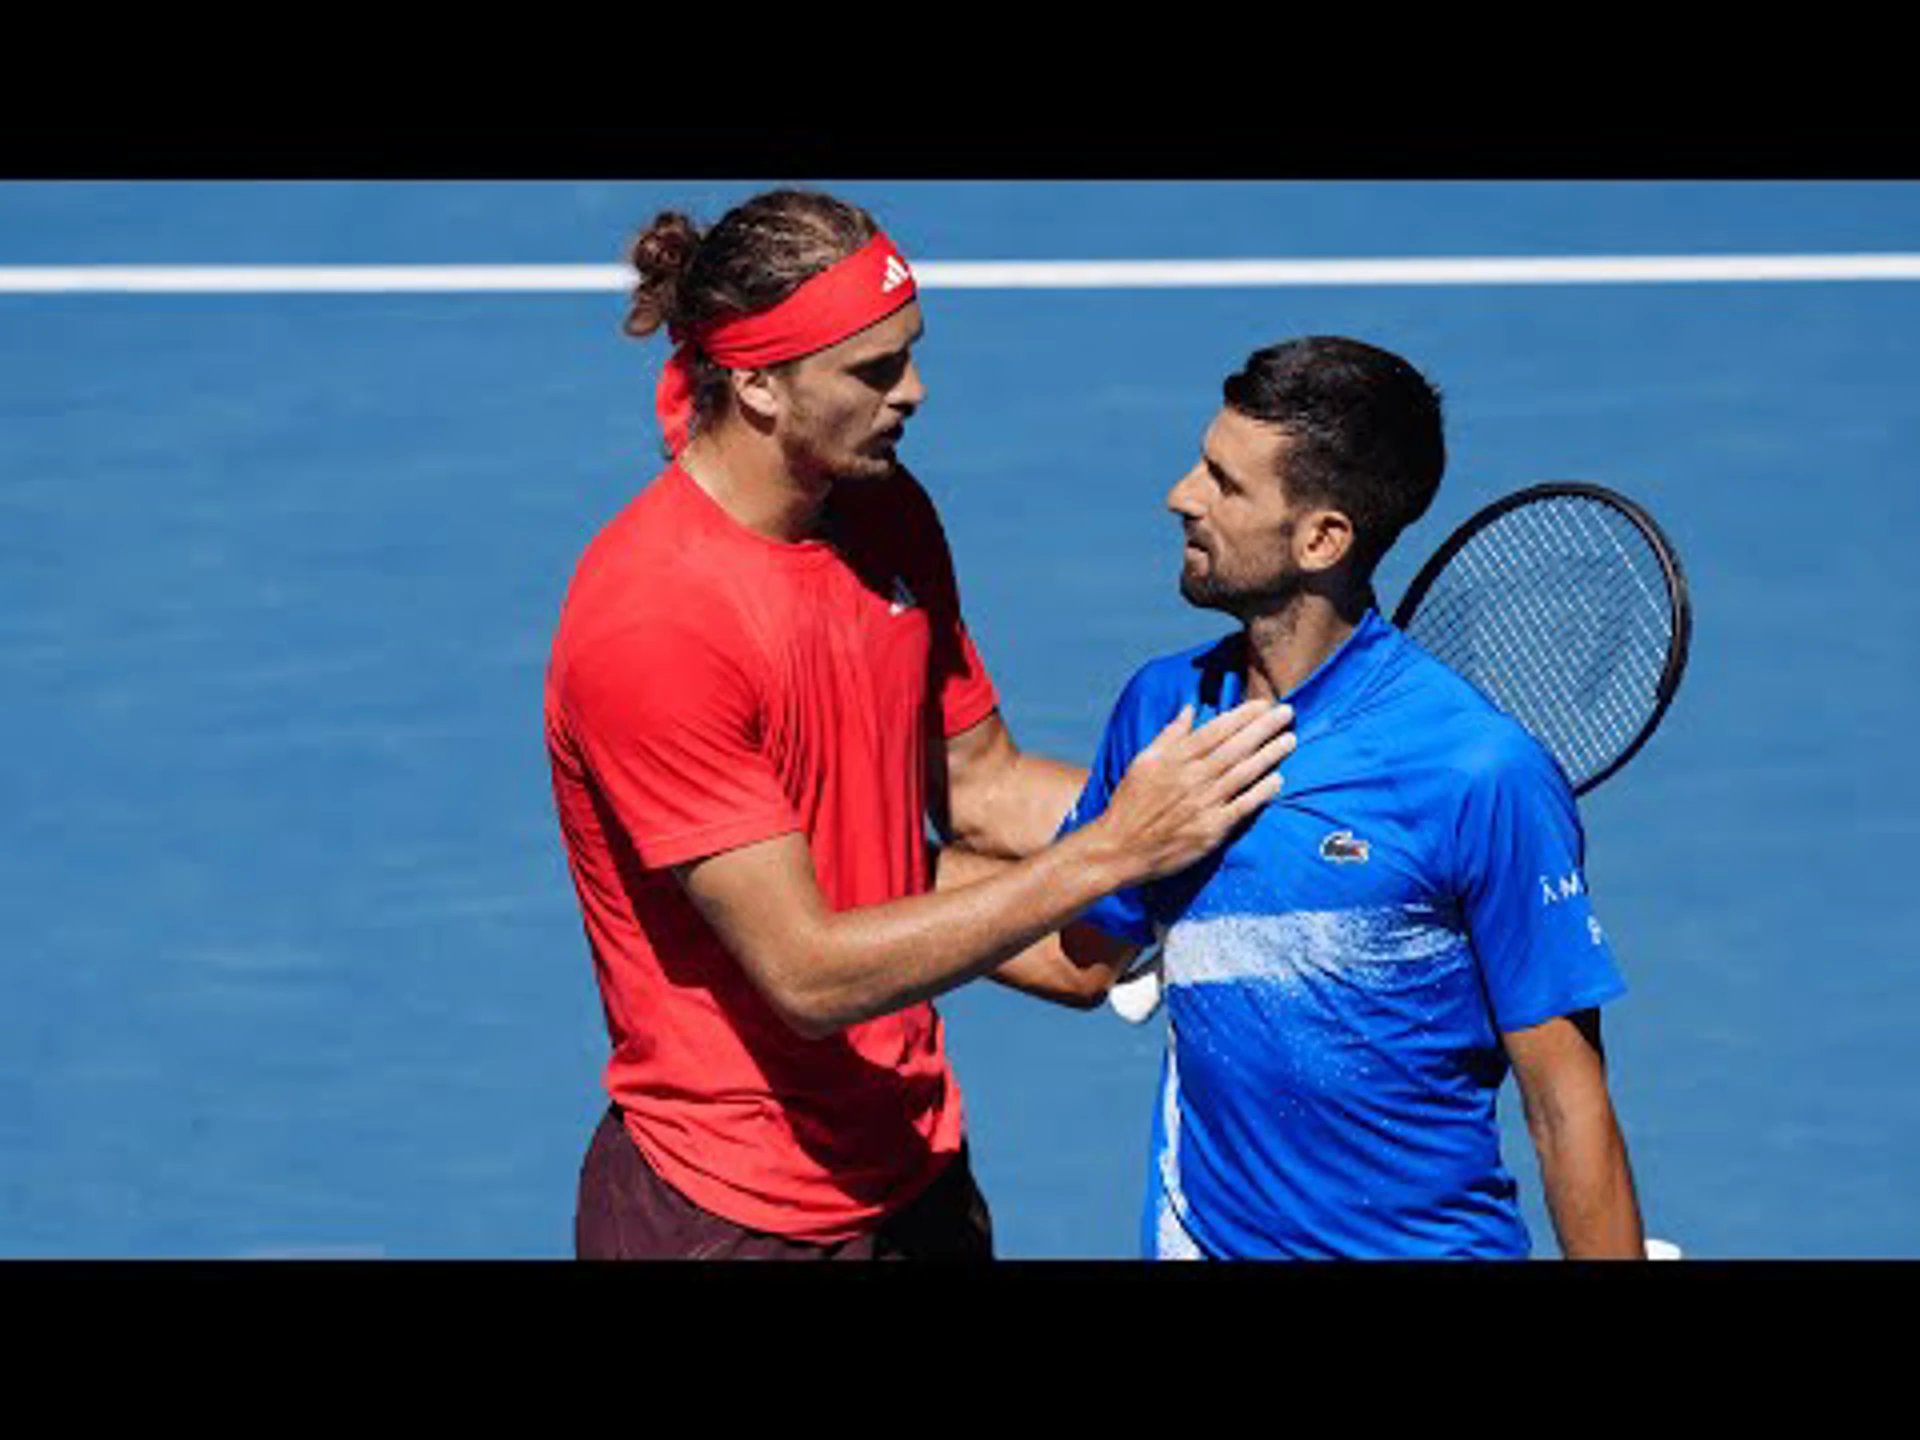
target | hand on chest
[{"x": 1336, "y": 838}]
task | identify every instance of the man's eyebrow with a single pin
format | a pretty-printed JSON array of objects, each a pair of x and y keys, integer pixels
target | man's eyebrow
[{"x": 886, "y": 357}]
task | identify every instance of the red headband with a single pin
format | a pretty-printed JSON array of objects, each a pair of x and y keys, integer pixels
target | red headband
[{"x": 842, "y": 300}]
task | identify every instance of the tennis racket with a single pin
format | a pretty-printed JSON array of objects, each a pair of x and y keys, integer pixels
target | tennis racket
[{"x": 1566, "y": 606}]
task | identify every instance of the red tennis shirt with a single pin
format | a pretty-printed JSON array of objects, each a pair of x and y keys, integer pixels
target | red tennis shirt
[{"x": 709, "y": 688}]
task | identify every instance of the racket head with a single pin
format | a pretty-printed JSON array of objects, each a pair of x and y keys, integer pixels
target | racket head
[{"x": 1606, "y": 529}]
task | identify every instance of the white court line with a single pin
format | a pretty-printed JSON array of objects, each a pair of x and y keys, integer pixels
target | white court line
[
  {"x": 306, "y": 279},
  {"x": 1491, "y": 270},
  {"x": 977, "y": 274}
]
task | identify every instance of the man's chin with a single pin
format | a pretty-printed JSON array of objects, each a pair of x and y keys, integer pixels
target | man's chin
[
  {"x": 869, "y": 466},
  {"x": 1201, "y": 592},
  {"x": 850, "y": 466}
]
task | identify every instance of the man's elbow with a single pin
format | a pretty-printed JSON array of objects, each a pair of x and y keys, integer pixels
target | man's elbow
[
  {"x": 810, "y": 1012},
  {"x": 817, "y": 1004},
  {"x": 815, "y": 1027},
  {"x": 1088, "y": 990},
  {"x": 799, "y": 991}
]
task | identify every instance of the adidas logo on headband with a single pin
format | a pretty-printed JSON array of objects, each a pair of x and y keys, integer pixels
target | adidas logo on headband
[{"x": 897, "y": 274}]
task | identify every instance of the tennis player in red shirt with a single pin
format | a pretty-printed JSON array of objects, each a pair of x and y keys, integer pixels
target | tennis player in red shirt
[{"x": 761, "y": 690}]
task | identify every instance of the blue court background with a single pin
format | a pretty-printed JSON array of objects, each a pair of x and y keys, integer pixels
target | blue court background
[{"x": 292, "y": 965}]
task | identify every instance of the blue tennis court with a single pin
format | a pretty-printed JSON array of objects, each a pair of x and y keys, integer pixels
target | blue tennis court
[{"x": 294, "y": 967}]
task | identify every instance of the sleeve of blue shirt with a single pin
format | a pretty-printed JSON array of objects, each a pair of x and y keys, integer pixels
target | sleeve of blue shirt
[
  {"x": 1520, "y": 851},
  {"x": 1125, "y": 914}
]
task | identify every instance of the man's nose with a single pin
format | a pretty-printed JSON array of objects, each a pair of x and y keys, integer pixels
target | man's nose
[
  {"x": 1182, "y": 499},
  {"x": 911, "y": 393}
]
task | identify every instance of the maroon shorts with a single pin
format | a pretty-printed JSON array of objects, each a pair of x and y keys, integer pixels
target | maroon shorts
[{"x": 627, "y": 1212}]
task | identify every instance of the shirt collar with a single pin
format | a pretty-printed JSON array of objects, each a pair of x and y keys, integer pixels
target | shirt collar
[{"x": 1319, "y": 700}]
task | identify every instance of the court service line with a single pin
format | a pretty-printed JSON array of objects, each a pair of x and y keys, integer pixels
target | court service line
[{"x": 979, "y": 274}]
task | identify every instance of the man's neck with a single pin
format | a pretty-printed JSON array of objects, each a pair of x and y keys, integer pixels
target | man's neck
[
  {"x": 1287, "y": 645},
  {"x": 749, "y": 479}
]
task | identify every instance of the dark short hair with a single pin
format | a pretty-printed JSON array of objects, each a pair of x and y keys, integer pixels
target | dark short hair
[{"x": 1366, "y": 427}]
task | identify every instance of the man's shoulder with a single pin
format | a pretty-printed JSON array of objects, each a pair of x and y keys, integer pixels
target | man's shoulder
[
  {"x": 656, "y": 548},
  {"x": 1443, "y": 719},
  {"x": 643, "y": 579}
]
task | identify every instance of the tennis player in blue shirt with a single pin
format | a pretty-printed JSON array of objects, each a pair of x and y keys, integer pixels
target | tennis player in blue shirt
[{"x": 1349, "y": 980}]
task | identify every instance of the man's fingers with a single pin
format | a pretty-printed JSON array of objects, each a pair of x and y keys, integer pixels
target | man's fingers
[
  {"x": 1234, "y": 734},
  {"x": 1253, "y": 798},
  {"x": 1253, "y": 767},
  {"x": 1202, "y": 782},
  {"x": 1222, "y": 728},
  {"x": 1173, "y": 731}
]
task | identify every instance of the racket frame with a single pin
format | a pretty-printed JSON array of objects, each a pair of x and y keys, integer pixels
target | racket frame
[{"x": 1680, "y": 605}]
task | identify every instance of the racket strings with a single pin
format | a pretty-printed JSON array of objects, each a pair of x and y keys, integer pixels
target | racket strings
[
  {"x": 1605, "y": 635},
  {"x": 1557, "y": 619},
  {"x": 1558, "y": 611},
  {"x": 1630, "y": 660},
  {"x": 1521, "y": 604},
  {"x": 1481, "y": 644},
  {"x": 1480, "y": 640}
]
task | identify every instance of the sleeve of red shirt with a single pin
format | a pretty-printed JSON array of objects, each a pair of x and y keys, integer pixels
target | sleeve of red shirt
[
  {"x": 961, "y": 685},
  {"x": 668, "y": 720}
]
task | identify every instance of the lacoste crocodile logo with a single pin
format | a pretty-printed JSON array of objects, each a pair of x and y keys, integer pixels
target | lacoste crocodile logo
[{"x": 1342, "y": 849}]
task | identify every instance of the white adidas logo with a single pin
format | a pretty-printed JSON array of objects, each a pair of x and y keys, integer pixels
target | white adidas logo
[{"x": 897, "y": 274}]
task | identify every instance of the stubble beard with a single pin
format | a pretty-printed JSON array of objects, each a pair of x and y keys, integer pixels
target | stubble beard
[
  {"x": 815, "y": 466},
  {"x": 1209, "y": 591},
  {"x": 1203, "y": 592}
]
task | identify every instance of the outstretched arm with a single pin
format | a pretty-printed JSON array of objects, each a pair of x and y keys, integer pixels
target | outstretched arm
[
  {"x": 822, "y": 969},
  {"x": 996, "y": 803},
  {"x": 1075, "y": 966},
  {"x": 1561, "y": 1072}
]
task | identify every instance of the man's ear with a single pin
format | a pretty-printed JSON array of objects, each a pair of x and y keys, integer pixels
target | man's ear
[
  {"x": 756, "y": 394},
  {"x": 1322, "y": 539}
]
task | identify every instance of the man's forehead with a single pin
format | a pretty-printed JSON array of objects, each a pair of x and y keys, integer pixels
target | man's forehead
[
  {"x": 1235, "y": 435},
  {"x": 885, "y": 336}
]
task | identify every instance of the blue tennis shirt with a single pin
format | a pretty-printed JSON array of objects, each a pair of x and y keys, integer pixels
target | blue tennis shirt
[{"x": 1338, "y": 975}]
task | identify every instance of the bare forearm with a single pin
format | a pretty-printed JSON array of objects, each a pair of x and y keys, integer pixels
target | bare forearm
[
  {"x": 822, "y": 969},
  {"x": 858, "y": 963},
  {"x": 884, "y": 957},
  {"x": 1588, "y": 1181},
  {"x": 1020, "y": 810},
  {"x": 1074, "y": 966}
]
